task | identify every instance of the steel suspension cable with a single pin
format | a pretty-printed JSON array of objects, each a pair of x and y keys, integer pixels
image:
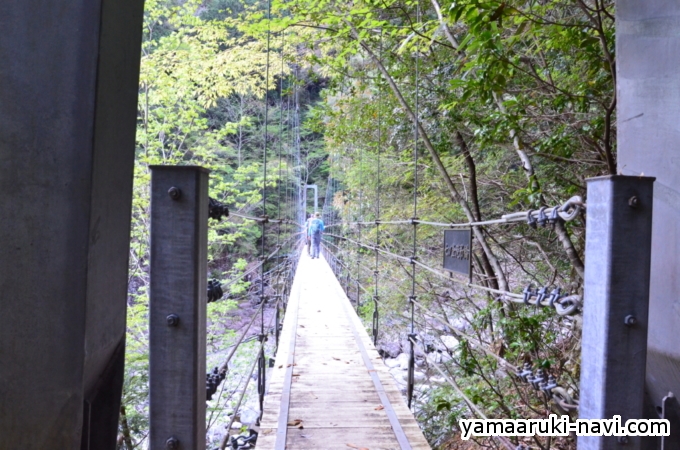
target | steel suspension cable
[
  {"x": 259, "y": 265},
  {"x": 564, "y": 305},
  {"x": 263, "y": 298},
  {"x": 473, "y": 407},
  {"x": 412, "y": 298},
  {"x": 332, "y": 254},
  {"x": 361, "y": 217},
  {"x": 256, "y": 361},
  {"x": 377, "y": 203},
  {"x": 278, "y": 183},
  {"x": 544, "y": 216},
  {"x": 445, "y": 323}
]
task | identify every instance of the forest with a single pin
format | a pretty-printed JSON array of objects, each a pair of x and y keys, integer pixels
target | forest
[{"x": 435, "y": 111}]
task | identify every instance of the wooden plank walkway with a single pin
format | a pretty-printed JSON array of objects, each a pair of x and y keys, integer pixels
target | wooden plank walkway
[{"x": 329, "y": 376}]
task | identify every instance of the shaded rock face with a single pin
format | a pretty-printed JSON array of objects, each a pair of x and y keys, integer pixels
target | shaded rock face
[
  {"x": 389, "y": 350},
  {"x": 391, "y": 363},
  {"x": 450, "y": 342},
  {"x": 418, "y": 351},
  {"x": 399, "y": 370},
  {"x": 402, "y": 359}
]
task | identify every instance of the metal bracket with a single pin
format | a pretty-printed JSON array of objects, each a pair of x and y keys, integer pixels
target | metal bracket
[{"x": 670, "y": 410}]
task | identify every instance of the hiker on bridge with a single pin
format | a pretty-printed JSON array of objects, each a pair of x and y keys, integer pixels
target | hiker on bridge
[
  {"x": 308, "y": 223},
  {"x": 316, "y": 227}
]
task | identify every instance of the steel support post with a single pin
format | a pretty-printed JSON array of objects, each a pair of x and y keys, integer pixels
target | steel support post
[
  {"x": 177, "y": 309},
  {"x": 358, "y": 294},
  {"x": 316, "y": 196},
  {"x": 616, "y": 304}
]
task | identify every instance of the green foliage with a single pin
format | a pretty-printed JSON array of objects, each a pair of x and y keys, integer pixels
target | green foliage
[
  {"x": 516, "y": 99},
  {"x": 205, "y": 99}
]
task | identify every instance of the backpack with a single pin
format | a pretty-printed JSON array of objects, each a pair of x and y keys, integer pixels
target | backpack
[{"x": 316, "y": 227}]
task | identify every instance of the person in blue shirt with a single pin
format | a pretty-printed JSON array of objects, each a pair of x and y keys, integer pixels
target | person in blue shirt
[{"x": 316, "y": 227}]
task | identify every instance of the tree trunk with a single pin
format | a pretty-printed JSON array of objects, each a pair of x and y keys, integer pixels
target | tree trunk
[{"x": 455, "y": 195}]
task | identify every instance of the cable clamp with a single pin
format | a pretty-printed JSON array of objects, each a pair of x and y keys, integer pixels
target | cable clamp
[
  {"x": 542, "y": 217},
  {"x": 217, "y": 210},
  {"x": 549, "y": 385},
  {"x": 531, "y": 220},
  {"x": 214, "y": 290},
  {"x": 537, "y": 379},
  {"x": 412, "y": 298},
  {"x": 554, "y": 217},
  {"x": 414, "y": 220},
  {"x": 412, "y": 260},
  {"x": 555, "y": 295},
  {"x": 528, "y": 293},
  {"x": 540, "y": 295},
  {"x": 525, "y": 373}
]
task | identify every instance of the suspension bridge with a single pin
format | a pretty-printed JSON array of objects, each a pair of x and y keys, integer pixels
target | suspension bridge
[
  {"x": 329, "y": 388},
  {"x": 67, "y": 146}
]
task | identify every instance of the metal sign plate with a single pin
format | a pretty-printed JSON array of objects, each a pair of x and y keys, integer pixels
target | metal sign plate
[{"x": 457, "y": 247}]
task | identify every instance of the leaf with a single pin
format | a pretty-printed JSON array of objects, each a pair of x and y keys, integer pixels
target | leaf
[
  {"x": 297, "y": 423},
  {"x": 379, "y": 408},
  {"x": 443, "y": 405}
]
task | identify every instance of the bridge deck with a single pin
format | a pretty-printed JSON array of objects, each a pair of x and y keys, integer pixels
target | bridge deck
[{"x": 329, "y": 376}]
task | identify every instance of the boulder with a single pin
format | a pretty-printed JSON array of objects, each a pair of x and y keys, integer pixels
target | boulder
[
  {"x": 399, "y": 376},
  {"x": 389, "y": 350},
  {"x": 403, "y": 361},
  {"x": 437, "y": 380},
  {"x": 449, "y": 341},
  {"x": 391, "y": 362},
  {"x": 249, "y": 416}
]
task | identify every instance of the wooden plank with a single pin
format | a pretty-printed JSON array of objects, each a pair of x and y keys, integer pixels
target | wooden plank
[
  {"x": 346, "y": 438},
  {"x": 325, "y": 395},
  {"x": 281, "y": 429},
  {"x": 338, "y": 386}
]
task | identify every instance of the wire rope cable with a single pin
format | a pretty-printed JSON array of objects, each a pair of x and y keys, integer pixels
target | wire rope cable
[
  {"x": 376, "y": 311},
  {"x": 412, "y": 298},
  {"x": 544, "y": 216}
]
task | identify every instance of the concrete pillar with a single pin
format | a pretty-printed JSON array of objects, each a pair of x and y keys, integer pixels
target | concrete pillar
[
  {"x": 648, "y": 91},
  {"x": 68, "y": 95}
]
